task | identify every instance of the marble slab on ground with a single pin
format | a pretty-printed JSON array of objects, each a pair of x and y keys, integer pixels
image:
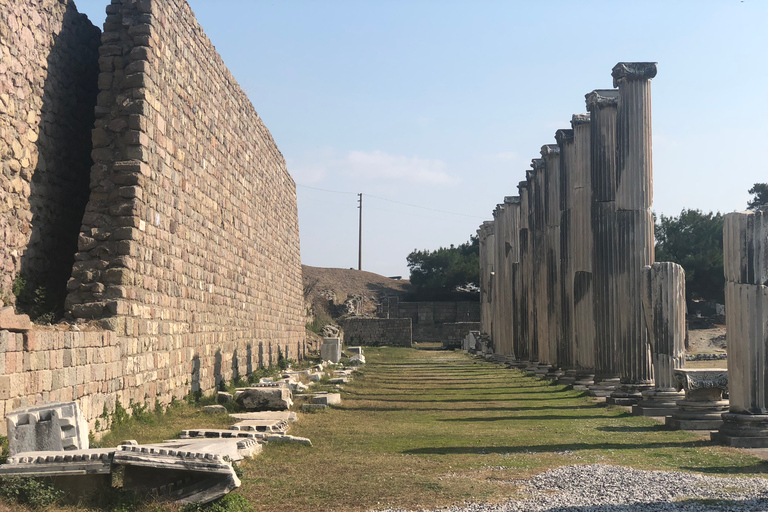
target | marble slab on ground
[{"x": 266, "y": 415}]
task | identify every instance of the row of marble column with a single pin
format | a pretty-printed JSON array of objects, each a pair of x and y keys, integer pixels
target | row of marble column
[{"x": 570, "y": 289}]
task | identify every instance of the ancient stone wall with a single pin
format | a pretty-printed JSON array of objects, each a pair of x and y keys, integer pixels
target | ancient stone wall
[
  {"x": 452, "y": 334},
  {"x": 391, "y": 332},
  {"x": 48, "y": 75},
  {"x": 48, "y": 365},
  {"x": 429, "y": 317},
  {"x": 189, "y": 248}
]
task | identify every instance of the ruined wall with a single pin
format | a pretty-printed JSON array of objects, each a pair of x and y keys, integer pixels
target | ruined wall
[
  {"x": 392, "y": 332},
  {"x": 189, "y": 248},
  {"x": 453, "y": 334},
  {"x": 428, "y": 317},
  {"x": 48, "y": 74}
]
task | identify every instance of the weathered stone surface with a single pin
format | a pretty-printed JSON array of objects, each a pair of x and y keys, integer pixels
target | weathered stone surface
[
  {"x": 280, "y": 438},
  {"x": 325, "y": 398},
  {"x": 223, "y": 397},
  {"x": 288, "y": 416},
  {"x": 51, "y": 427},
  {"x": 703, "y": 405},
  {"x": 272, "y": 398},
  {"x": 395, "y": 332},
  {"x": 330, "y": 350},
  {"x": 280, "y": 426},
  {"x": 214, "y": 409},
  {"x": 10, "y": 321}
]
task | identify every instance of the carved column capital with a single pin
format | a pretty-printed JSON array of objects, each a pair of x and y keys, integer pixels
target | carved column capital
[
  {"x": 563, "y": 136},
  {"x": 633, "y": 71},
  {"x": 538, "y": 164},
  {"x": 600, "y": 98},
  {"x": 580, "y": 119},
  {"x": 512, "y": 199},
  {"x": 550, "y": 149}
]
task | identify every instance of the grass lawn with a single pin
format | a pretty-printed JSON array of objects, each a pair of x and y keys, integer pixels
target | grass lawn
[{"x": 428, "y": 428}]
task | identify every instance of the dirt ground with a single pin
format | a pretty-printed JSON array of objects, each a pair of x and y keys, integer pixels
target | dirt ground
[{"x": 707, "y": 341}]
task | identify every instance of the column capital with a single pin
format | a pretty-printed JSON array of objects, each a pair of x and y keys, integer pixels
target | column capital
[
  {"x": 633, "y": 71},
  {"x": 550, "y": 149},
  {"x": 580, "y": 119},
  {"x": 563, "y": 136},
  {"x": 511, "y": 199},
  {"x": 538, "y": 164},
  {"x": 600, "y": 98},
  {"x": 522, "y": 185}
]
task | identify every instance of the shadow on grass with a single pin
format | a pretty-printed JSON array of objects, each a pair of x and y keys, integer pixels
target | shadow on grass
[
  {"x": 628, "y": 428},
  {"x": 553, "y": 448}
]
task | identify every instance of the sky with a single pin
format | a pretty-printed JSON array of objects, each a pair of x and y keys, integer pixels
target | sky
[{"x": 433, "y": 109}]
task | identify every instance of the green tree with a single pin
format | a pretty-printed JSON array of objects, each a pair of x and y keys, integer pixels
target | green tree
[
  {"x": 441, "y": 272},
  {"x": 760, "y": 193},
  {"x": 694, "y": 240}
]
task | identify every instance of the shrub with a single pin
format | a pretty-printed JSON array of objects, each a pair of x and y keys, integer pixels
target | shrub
[{"x": 30, "y": 491}]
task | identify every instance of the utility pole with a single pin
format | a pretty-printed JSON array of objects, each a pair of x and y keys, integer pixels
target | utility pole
[{"x": 360, "y": 235}]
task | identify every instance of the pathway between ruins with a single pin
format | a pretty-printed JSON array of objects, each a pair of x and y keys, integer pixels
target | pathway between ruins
[{"x": 423, "y": 429}]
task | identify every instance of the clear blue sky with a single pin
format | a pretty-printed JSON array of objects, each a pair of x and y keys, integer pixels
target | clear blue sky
[{"x": 442, "y": 104}]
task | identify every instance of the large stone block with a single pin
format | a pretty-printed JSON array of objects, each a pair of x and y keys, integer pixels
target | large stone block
[
  {"x": 330, "y": 350},
  {"x": 51, "y": 427},
  {"x": 265, "y": 398}
]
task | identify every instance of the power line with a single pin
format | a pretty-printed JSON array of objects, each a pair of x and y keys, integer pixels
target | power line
[{"x": 393, "y": 201}]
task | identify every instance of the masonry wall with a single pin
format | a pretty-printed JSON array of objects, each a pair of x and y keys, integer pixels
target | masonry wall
[
  {"x": 48, "y": 76},
  {"x": 428, "y": 317},
  {"x": 189, "y": 248},
  {"x": 393, "y": 332},
  {"x": 48, "y": 365},
  {"x": 452, "y": 334}
]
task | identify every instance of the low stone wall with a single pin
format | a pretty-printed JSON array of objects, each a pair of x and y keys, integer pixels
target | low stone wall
[
  {"x": 392, "y": 332},
  {"x": 48, "y": 365},
  {"x": 92, "y": 368},
  {"x": 453, "y": 334}
]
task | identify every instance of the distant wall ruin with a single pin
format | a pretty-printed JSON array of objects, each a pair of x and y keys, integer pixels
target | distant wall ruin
[
  {"x": 388, "y": 332},
  {"x": 188, "y": 250},
  {"x": 432, "y": 320}
]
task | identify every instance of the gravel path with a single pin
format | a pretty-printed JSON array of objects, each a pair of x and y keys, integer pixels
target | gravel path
[{"x": 602, "y": 488}]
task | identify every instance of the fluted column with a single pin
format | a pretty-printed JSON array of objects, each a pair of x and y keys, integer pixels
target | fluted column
[
  {"x": 635, "y": 248},
  {"x": 565, "y": 141},
  {"x": 512, "y": 253},
  {"x": 663, "y": 294},
  {"x": 745, "y": 258},
  {"x": 581, "y": 239},
  {"x": 485, "y": 239},
  {"x": 602, "y": 105},
  {"x": 551, "y": 156},
  {"x": 537, "y": 192},
  {"x": 524, "y": 278}
]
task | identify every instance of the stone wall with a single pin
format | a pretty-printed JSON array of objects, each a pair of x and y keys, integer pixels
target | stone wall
[
  {"x": 50, "y": 365},
  {"x": 48, "y": 76},
  {"x": 393, "y": 332},
  {"x": 453, "y": 334},
  {"x": 189, "y": 248},
  {"x": 428, "y": 317}
]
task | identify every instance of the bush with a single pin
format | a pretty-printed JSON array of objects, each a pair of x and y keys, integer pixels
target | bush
[{"x": 30, "y": 491}]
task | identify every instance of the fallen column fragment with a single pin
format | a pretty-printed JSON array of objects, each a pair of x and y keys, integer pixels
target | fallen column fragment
[{"x": 703, "y": 405}]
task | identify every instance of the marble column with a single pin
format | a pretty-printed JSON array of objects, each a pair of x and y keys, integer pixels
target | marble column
[
  {"x": 565, "y": 141},
  {"x": 602, "y": 105},
  {"x": 498, "y": 333},
  {"x": 512, "y": 253},
  {"x": 551, "y": 155},
  {"x": 745, "y": 258},
  {"x": 537, "y": 185},
  {"x": 635, "y": 239},
  {"x": 663, "y": 295},
  {"x": 485, "y": 239},
  {"x": 581, "y": 239},
  {"x": 523, "y": 338}
]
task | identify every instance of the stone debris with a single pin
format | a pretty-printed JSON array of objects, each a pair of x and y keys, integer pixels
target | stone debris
[
  {"x": 277, "y": 397},
  {"x": 274, "y": 426},
  {"x": 325, "y": 398},
  {"x": 357, "y": 360},
  {"x": 214, "y": 409},
  {"x": 10, "y": 321},
  {"x": 288, "y": 416},
  {"x": 222, "y": 397},
  {"x": 313, "y": 407},
  {"x": 51, "y": 427},
  {"x": 703, "y": 405},
  {"x": 282, "y": 438}
]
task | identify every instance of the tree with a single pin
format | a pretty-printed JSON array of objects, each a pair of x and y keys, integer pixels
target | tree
[
  {"x": 441, "y": 272},
  {"x": 694, "y": 240},
  {"x": 760, "y": 191}
]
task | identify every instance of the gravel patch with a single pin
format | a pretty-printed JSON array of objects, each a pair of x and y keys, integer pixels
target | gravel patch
[{"x": 603, "y": 488}]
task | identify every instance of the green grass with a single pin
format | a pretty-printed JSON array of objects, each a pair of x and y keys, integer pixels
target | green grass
[{"x": 431, "y": 428}]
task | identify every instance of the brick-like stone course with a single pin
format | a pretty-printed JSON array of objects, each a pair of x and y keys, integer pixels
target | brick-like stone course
[
  {"x": 393, "y": 332},
  {"x": 48, "y": 73},
  {"x": 46, "y": 365}
]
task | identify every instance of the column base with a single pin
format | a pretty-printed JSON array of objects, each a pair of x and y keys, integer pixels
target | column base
[
  {"x": 568, "y": 378},
  {"x": 658, "y": 402},
  {"x": 584, "y": 379},
  {"x": 604, "y": 387},
  {"x": 692, "y": 415},
  {"x": 627, "y": 394},
  {"x": 743, "y": 431}
]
